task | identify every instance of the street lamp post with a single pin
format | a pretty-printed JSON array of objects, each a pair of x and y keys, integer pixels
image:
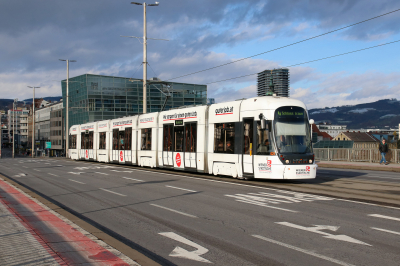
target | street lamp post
[
  {"x": 33, "y": 120},
  {"x": 66, "y": 109},
  {"x": 144, "y": 53}
]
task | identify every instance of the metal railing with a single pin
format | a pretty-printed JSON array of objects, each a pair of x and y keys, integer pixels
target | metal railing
[{"x": 355, "y": 155}]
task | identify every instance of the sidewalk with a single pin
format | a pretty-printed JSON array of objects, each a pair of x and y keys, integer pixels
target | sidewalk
[
  {"x": 394, "y": 167},
  {"x": 33, "y": 234}
]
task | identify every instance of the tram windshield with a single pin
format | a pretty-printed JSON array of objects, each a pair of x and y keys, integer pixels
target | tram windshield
[{"x": 292, "y": 130}]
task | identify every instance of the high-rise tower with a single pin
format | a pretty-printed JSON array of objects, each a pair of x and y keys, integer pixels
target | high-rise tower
[{"x": 280, "y": 80}]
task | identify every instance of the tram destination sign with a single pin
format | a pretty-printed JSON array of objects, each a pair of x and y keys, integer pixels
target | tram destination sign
[
  {"x": 290, "y": 113},
  {"x": 178, "y": 122}
]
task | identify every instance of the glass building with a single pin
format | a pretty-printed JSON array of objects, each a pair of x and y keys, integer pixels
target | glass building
[{"x": 95, "y": 97}]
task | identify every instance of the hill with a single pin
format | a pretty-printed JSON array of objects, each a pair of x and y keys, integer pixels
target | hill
[
  {"x": 367, "y": 115},
  {"x": 6, "y": 104}
]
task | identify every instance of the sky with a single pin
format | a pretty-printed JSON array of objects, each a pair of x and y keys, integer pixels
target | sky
[{"x": 34, "y": 35}]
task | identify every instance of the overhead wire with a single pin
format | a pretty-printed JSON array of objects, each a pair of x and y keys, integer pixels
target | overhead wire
[
  {"x": 285, "y": 46},
  {"x": 320, "y": 59}
]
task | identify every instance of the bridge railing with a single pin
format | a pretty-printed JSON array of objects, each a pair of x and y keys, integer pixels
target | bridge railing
[{"x": 355, "y": 155}]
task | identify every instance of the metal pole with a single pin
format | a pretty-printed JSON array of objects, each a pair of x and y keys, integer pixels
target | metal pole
[
  {"x": 13, "y": 129},
  {"x": 144, "y": 61},
  {"x": 66, "y": 114},
  {"x": 33, "y": 123}
]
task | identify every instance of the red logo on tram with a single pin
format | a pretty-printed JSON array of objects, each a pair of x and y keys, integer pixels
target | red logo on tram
[
  {"x": 269, "y": 162},
  {"x": 87, "y": 154},
  {"x": 308, "y": 168},
  {"x": 121, "y": 156},
  {"x": 178, "y": 160}
]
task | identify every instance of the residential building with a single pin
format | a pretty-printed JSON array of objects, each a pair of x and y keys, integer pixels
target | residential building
[
  {"x": 95, "y": 97},
  {"x": 18, "y": 122},
  {"x": 362, "y": 140},
  {"x": 317, "y": 135},
  {"x": 280, "y": 80},
  {"x": 332, "y": 130},
  {"x": 57, "y": 135}
]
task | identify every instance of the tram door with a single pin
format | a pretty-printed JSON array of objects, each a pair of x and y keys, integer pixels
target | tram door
[
  {"x": 190, "y": 144},
  {"x": 115, "y": 145},
  {"x": 178, "y": 155},
  {"x": 248, "y": 144},
  {"x": 168, "y": 144}
]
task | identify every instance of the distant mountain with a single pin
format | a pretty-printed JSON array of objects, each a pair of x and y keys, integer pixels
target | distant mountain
[
  {"x": 6, "y": 104},
  {"x": 52, "y": 99},
  {"x": 367, "y": 115}
]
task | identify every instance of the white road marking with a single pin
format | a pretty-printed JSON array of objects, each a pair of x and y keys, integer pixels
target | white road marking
[
  {"x": 101, "y": 173},
  {"x": 189, "y": 215},
  {"x": 265, "y": 205},
  {"x": 76, "y": 173},
  {"x": 20, "y": 175},
  {"x": 24, "y": 167},
  {"x": 37, "y": 170},
  {"x": 181, "y": 188},
  {"x": 372, "y": 204},
  {"x": 183, "y": 253},
  {"x": 52, "y": 174},
  {"x": 121, "y": 171},
  {"x": 133, "y": 179},
  {"x": 387, "y": 231},
  {"x": 113, "y": 192},
  {"x": 384, "y": 217},
  {"x": 304, "y": 251},
  {"x": 77, "y": 181},
  {"x": 317, "y": 228}
]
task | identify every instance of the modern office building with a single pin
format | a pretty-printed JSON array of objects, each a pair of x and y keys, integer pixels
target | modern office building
[
  {"x": 95, "y": 97},
  {"x": 280, "y": 80}
]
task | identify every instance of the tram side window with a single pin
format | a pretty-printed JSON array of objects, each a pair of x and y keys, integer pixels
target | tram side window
[
  {"x": 115, "y": 139},
  {"x": 121, "y": 140},
  {"x": 72, "y": 141},
  {"x": 264, "y": 140},
  {"x": 102, "y": 140},
  {"x": 168, "y": 134},
  {"x": 128, "y": 139},
  {"x": 90, "y": 140},
  {"x": 178, "y": 139},
  {"x": 146, "y": 139},
  {"x": 248, "y": 136},
  {"x": 224, "y": 138},
  {"x": 190, "y": 137}
]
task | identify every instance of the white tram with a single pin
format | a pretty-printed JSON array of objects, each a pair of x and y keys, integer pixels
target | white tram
[{"x": 264, "y": 137}]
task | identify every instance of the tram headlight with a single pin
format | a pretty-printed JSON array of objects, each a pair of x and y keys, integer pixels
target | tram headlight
[
  {"x": 287, "y": 161},
  {"x": 310, "y": 161}
]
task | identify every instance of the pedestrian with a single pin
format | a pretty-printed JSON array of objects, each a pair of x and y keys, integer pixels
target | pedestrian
[{"x": 383, "y": 149}]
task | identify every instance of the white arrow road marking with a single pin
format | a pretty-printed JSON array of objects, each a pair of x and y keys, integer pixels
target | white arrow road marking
[
  {"x": 304, "y": 251},
  {"x": 384, "y": 217},
  {"x": 76, "y": 173},
  {"x": 20, "y": 175},
  {"x": 183, "y": 253},
  {"x": 387, "y": 231},
  {"x": 317, "y": 228}
]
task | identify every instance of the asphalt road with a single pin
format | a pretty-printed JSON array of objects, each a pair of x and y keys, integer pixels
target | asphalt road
[{"x": 183, "y": 220}]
